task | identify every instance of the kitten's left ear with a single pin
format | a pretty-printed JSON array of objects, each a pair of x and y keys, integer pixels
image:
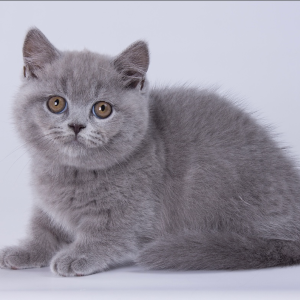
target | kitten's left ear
[
  {"x": 133, "y": 64},
  {"x": 37, "y": 52}
]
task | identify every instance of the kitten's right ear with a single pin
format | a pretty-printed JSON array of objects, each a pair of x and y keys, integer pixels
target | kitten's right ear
[{"x": 37, "y": 52}]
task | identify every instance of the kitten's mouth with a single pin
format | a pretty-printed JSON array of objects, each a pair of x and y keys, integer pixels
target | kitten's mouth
[
  {"x": 80, "y": 143},
  {"x": 75, "y": 141}
]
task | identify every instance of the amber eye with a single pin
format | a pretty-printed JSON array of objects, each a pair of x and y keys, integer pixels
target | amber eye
[
  {"x": 102, "y": 109},
  {"x": 57, "y": 104}
]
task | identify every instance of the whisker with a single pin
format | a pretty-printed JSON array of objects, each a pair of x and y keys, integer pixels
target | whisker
[
  {"x": 94, "y": 143},
  {"x": 26, "y": 164},
  {"x": 38, "y": 140},
  {"x": 32, "y": 140},
  {"x": 55, "y": 127},
  {"x": 95, "y": 137},
  {"x": 25, "y": 152},
  {"x": 23, "y": 169},
  {"x": 61, "y": 137}
]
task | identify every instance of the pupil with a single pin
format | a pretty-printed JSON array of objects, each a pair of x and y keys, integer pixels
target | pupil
[
  {"x": 56, "y": 102},
  {"x": 102, "y": 107}
]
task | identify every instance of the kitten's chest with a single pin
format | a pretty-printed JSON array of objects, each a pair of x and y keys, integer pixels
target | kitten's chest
[{"x": 71, "y": 194}]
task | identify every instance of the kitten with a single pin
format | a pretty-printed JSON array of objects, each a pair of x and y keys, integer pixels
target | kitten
[{"x": 171, "y": 178}]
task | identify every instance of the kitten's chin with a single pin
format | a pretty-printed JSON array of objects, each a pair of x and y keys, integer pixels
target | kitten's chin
[
  {"x": 74, "y": 149},
  {"x": 85, "y": 160},
  {"x": 77, "y": 154}
]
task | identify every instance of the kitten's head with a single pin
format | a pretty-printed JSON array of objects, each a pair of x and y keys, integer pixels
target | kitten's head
[{"x": 81, "y": 108}]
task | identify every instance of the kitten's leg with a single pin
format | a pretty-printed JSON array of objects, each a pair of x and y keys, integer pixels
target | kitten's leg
[
  {"x": 89, "y": 255},
  {"x": 103, "y": 239},
  {"x": 218, "y": 251},
  {"x": 43, "y": 242}
]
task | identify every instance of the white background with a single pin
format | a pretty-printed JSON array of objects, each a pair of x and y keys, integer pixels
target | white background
[{"x": 250, "y": 51}]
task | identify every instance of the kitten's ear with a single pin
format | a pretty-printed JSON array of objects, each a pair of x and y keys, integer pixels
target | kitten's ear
[
  {"x": 37, "y": 52},
  {"x": 133, "y": 64}
]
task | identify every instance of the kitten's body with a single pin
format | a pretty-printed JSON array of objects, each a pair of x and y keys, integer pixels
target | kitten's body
[{"x": 175, "y": 178}]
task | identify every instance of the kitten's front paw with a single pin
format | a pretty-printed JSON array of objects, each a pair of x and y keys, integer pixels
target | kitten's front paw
[
  {"x": 17, "y": 258},
  {"x": 73, "y": 263}
]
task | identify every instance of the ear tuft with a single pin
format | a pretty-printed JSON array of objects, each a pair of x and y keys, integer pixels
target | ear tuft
[
  {"x": 37, "y": 52},
  {"x": 133, "y": 64}
]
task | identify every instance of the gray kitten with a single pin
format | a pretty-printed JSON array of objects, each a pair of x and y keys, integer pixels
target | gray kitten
[{"x": 171, "y": 178}]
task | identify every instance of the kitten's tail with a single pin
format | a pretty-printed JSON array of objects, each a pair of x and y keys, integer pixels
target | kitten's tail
[{"x": 217, "y": 251}]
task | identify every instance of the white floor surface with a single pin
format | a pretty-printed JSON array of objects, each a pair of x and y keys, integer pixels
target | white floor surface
[{"x": 135, "y": 283}]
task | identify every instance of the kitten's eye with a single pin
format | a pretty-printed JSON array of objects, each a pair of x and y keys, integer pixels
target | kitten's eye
[
  {"x": 102, "y": 109},
  {"x": 57, "y": 104}
]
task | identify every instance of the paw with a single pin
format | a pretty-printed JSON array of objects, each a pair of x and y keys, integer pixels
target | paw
[
  {"x": 72, "y": 263},
  {"x": 18, "y": 258}
]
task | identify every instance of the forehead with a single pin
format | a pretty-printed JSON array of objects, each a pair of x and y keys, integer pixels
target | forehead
[{"x": 81, "y": 75}]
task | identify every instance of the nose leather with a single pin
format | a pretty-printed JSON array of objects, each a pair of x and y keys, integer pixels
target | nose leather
[{"x": 76, "y": 127}]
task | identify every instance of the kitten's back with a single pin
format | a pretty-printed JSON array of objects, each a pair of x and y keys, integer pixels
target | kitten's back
[{"x": 223, "y": 169}]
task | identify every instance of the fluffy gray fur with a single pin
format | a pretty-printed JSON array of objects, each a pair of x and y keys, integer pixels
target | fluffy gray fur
[{"x": 175, "y": 178}]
